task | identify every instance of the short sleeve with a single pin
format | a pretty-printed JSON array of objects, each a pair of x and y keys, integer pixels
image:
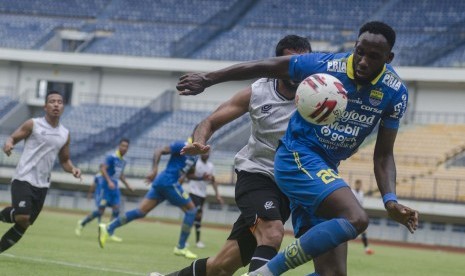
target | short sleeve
[
  {"x": 396, "y": 110},
  {"x": 176, "y": 147}
]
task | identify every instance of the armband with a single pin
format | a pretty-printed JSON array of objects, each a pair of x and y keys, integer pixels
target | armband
[{"x": 389, "y": 197}]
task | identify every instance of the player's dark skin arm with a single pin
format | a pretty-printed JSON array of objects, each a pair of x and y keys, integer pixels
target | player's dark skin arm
[
  {"x": 385, "y": 173},
  {"x": 195, "y": 83},
  {"x": 156, "y": 160}
]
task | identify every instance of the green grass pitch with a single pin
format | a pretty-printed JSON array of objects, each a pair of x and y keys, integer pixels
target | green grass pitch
[{"x": 50, "y": 247}]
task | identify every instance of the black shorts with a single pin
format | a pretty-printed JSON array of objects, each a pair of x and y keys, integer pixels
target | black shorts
[
  {"x": 27, "y": 199},
  {"x": 258, "y": 197},
  {"x": 198, "y": 201}
]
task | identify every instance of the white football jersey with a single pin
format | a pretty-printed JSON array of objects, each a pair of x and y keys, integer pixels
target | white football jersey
[
  {"x": 40, "y": 152},
  {"x": 199, "y": 187},
  {"x": 270, "y": 113}
]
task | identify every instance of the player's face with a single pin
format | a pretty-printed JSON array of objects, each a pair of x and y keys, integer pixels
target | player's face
[
  {"x": 292, "y": 85},
  {"x": 54, "y": 106},
  {"x": 371, "y": 53},
  {"x": 123, "y": 148}
]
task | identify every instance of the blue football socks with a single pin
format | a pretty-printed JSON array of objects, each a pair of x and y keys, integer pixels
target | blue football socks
[
  {"x": 318, "y": 240},
  {"x": 126, "y": 218},
  {"x": 188, "y": 222}
]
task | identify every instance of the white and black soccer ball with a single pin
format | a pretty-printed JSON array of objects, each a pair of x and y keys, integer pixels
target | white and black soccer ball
[{"x": 321, "y": 99}]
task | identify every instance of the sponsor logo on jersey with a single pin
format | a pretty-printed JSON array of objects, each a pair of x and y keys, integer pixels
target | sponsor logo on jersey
[
  {"x": 376, "y": 97},
  {"x": 357, "y": 118},
  {"x": 372, "y": 109},
  {"x": 392, "y": 81},
  {"x": 355, "y": 101},
  {"x": 339, "y": 66},
  {"x": 22, "y": 204},
  {"x": 266, "y": 108}
]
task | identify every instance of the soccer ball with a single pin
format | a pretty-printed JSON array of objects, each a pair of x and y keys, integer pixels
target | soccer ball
[{"x": 321, "y": 99}]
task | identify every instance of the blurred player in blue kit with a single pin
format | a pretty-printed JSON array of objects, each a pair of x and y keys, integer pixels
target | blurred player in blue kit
[
  {"x": 325, "y": 212},
  {"x": 107, "y": 192},
  {"x": 164, "y": 186}
]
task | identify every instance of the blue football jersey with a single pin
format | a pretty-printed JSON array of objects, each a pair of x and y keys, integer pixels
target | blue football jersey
[
  {"x": 115, "y": 166},
  {"x": 175, "y": 165},
  {"x": 383, "y": 100}
]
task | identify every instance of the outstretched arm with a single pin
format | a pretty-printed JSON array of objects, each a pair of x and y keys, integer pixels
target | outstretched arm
[
  {"x": 227, "y": 112},
  {"x": 19, "y": 134},
  {"x": 385, "y": 173},
  {"x": 195, "y": 83}
]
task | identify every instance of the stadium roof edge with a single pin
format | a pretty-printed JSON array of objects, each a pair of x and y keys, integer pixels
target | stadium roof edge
[
  {"x": 111, "y": 61},
  {"x": 433, "y": 74}
]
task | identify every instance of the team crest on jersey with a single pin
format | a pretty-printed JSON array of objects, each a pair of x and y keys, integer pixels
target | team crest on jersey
[
  {"x": 376, "y": 97},
  {"x": 266, "y": 108}
]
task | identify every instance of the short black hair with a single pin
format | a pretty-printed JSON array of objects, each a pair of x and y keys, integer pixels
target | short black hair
[
  {"x": 51, "y": 92},
  {"x": 378, "y": 27},
  {"x": 124, "y": 140},
  {"x": 294, "y": 42}
]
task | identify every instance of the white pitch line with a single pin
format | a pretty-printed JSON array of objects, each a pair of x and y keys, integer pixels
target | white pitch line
[{"x": 39, "y": 260}]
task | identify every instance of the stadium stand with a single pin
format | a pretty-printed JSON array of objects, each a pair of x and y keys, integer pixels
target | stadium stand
[
  {"x": 429, "y": 32},
  {"x": 421, "y": 173},
  {"x": 6, "y": 104}
]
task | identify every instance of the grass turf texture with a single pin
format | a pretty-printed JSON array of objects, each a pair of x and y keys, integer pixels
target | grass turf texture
[{"x": 50, "y": 247}]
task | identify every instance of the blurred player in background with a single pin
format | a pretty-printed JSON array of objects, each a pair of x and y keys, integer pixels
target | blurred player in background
[
  {"x": 107, "y": 192},
  {"x": 358, "y": 193},
  {"x": 258, "y": 232},
  {"x": 44, "y": 139},
  {"x": 163, "y": 186},
  {"x": 199, "y": 177},
  {"x": 325, "y": 212}
]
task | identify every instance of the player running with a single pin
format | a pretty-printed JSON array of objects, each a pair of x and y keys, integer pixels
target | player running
[
  {"x": 44, "y": 139},
  {"x": 107, "y": 192},
  {"x": 258, "y": 232},
  {"x": 164, "y": 186}
]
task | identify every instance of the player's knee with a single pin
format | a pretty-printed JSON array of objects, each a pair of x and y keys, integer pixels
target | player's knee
[
  {"x": 360, "y": 221},
  {"x": 23, "y": 220},
  {"x": 270, "y": 233}
]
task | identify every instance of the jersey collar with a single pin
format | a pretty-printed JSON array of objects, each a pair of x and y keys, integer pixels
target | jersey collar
[
  {"x": 350, "y": 70},
  {"x": 118, "y": 154}
]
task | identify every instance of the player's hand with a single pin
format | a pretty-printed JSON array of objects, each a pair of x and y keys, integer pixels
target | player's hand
[
  {"x": 111, "y": 185},
  {"x": 195, "y": 148},
  {"x": 76, "y": 172},
  {"x": 403, "y": 215},
  {"x": 192, "y": 84},
  {"x": 220, "y": 199},
  {"x": 7, "y": 148},
  {"x": 150, "y": 177}
]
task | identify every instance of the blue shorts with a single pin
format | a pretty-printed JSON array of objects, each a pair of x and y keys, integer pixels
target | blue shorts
[
  {"x": 173, "y": 193},
  {"x": 108, "y": 198},
  {"x": 306, "y": 179}
]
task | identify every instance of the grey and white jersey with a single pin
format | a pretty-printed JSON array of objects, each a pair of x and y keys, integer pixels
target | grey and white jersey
[
  {"x": 270, "y": 113},
  {"x": 40, "y": 152}
]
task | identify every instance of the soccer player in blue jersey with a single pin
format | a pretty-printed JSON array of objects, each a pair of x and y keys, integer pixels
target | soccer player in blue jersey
[
  {"x": 325, "y": 212},
  {"x": 164, "y": 186},
  {"x": 107, "y": 193}
]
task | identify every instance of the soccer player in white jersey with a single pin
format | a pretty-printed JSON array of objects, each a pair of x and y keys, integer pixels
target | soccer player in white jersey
[
  {"x": 44, "y": 139},
  {"x": 258, "y": 232},
  {"x": 202, "y": 174},
  {"x": 358, "y": 193}
]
